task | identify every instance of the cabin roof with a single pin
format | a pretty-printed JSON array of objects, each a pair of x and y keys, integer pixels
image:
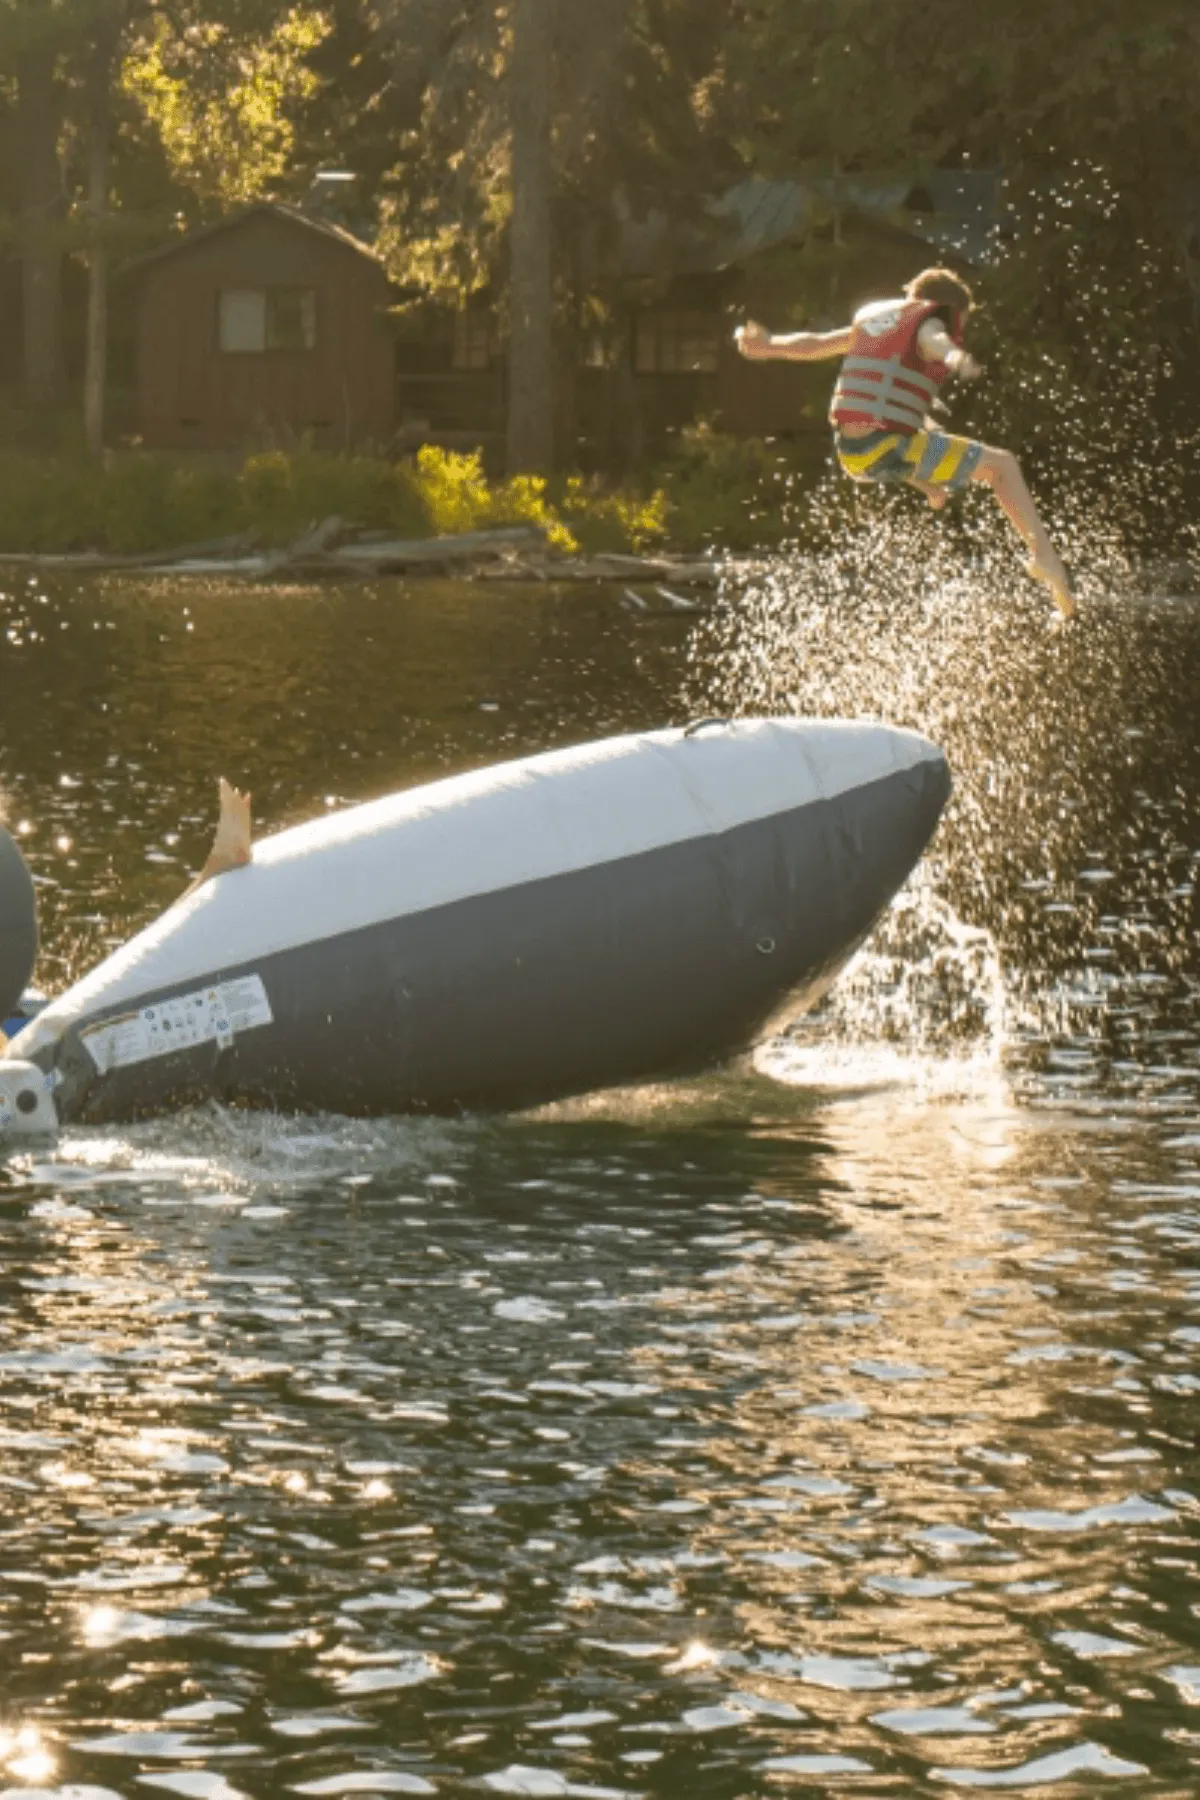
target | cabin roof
[
  {"x": 276, "y": 209},
  {"x": 953, "y": 210}
]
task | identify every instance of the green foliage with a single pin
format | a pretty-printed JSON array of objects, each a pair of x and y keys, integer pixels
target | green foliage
[
  {"x": 44, "y": 507},
  {"x": 851, "y": 86},
  {"x": 134, "y": 499},
  {"x": 457, "y": 496},
  {"x": 735, "y": 493},
  {"x": 522, "y": 501},
  {"x": 221, "y": 93},
  {"x": 418, "y": 93},
  {"x": 603, "y": 519},
  {"x": 141, "y": 502},
  {"x": 133, "y": 503},
  {"x": 281, "y": 494},
  {"x": 453, "y": 490}
]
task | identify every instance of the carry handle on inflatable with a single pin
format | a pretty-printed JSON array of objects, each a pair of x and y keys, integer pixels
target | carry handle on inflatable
[
  {"x": 698, "y": 725},
  {"x": 27, "y": 1108},
  {"x": 18, "y": 925}
]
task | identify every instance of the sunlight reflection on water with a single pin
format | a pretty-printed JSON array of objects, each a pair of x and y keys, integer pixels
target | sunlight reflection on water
[{"x": 823, "y": 1423}]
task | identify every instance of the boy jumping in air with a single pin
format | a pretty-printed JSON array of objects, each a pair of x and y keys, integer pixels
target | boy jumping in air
[{"x": 895, "y": 356}]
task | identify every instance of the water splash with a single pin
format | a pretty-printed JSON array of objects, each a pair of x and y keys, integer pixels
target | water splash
[
  {"x": 246, "y": 1155},
  {"x": 894, "y": 616},
  {"x": 923, "y": 1007},
  {"x": 1069, "y": 840}
]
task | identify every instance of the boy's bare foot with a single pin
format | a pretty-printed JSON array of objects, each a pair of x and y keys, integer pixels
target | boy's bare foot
[
  {"x": 231, "y": 842},
  {"x": 1056, "y": 577}
]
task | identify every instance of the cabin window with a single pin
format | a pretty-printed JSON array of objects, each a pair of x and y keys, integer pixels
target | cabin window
[
  {"x": 472, "y": 340},
  {"x": 291, "y": 318},
  {"x": 677, "y": 343},
  {"x": 254, "y": 320}
]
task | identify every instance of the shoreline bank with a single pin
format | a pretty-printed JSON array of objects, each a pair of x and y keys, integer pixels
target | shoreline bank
[
  {"x": 334, "y": 548},
  {"x": 137, "y": 509}
]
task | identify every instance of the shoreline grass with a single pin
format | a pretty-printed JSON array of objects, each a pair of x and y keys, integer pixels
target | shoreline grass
[{"x": 717, "y": 492}]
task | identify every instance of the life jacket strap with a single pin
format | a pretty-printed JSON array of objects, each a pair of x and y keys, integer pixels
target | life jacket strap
[{"x": 889, "y": 393}]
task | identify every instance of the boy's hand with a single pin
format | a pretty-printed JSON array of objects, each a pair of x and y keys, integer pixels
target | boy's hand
[
  {"x": 752, "y": 339},
  {"x": 966, "y": 368}
]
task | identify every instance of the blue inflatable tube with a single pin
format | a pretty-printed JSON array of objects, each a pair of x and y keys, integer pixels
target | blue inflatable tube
[
  {"x": 18, "y": 926},
  {"x": 631, "y": 908},
  {"x": 27, "y": 1009}
]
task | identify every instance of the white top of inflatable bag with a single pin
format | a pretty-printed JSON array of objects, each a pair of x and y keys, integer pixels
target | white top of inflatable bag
[{"x": 488, "y": 830}]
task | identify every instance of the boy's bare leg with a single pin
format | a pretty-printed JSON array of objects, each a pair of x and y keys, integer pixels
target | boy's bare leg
[
  {"x": 231, "y": 847},
  {"x": 1002, "y": 473},
  {"x": 936, "y": 496}
]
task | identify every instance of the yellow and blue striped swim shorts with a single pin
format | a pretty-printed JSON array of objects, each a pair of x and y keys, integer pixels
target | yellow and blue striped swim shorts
[{"x": 932, "y": 457}]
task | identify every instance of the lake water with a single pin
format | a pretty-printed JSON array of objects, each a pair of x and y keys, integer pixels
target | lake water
[{"x": 827, "y": 1426}]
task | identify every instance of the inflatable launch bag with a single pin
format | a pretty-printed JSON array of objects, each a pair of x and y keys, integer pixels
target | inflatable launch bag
[{"x": 631, "y": 908}]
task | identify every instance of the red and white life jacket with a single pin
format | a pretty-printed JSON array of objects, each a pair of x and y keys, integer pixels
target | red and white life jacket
[{"x": 884, "y": 380}]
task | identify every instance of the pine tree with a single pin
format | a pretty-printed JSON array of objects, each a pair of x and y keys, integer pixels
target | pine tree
[
  {"x": 530, "y": 79},
  {"x": 211, "y": 80}
]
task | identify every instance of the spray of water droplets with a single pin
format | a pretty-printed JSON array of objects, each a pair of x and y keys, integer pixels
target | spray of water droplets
[{"x": 883, "y": 609}]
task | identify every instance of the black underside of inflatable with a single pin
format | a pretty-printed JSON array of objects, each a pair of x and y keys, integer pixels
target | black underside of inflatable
[
  {"x": 18, "y": 925},
  {"x": 655, "y": 964}
]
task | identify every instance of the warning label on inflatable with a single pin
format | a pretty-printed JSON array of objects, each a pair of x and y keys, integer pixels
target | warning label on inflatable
[{"x": 210, "y": 1015}]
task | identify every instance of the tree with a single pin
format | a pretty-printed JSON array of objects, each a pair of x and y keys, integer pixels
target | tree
[
  {"x": 212, "y": 84},
  {"x": 527, "y": 134},
  {"x": 38, "y": 40},
  {"x": 1045, "y": 92},
  {"x": 531, "y": 240},
  {"x": 30, "y": 34},
  {"x": 98, "y": 107},
  {"x": 219, "y": 83}
]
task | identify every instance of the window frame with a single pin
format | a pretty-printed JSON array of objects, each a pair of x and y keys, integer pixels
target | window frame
[{"x": 308, "y": 314}]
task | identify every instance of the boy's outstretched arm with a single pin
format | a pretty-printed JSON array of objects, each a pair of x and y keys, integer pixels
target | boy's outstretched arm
[{"x": 758, "y": 344}]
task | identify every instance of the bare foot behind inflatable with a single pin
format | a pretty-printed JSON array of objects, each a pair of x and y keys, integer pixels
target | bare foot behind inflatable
[{"x": 636, "y": 907}]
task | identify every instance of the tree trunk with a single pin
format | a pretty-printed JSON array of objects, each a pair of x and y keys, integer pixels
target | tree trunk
[
  {"x": 41, "y": 249},
  {"x": 95, "y": 372},
  {"x": 531, "y": 278}
]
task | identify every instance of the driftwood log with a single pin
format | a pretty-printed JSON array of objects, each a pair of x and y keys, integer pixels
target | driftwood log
[
  {"x": 223, "y": 550},
  {"x": 505, "y": 553},
  {"x": 414, "y": 553}
]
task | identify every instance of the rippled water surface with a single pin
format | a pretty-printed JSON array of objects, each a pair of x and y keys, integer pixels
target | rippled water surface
[{"x": 824, "y": 1427}]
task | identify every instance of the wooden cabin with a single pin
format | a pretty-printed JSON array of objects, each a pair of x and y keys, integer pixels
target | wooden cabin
[{"x": 269, "y": 327}]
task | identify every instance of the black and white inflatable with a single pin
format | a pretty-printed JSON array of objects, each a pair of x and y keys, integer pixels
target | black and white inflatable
[
  {"x": 25, "y": 1104},
  {"x": 18, "y": 926},
  {"x": 630, "y": 908}
]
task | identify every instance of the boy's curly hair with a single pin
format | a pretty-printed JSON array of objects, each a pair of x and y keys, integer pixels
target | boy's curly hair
[{"x": 944, "y": 288}]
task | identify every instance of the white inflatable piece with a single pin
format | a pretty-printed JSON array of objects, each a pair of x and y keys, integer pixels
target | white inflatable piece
[
  {"x": 27, "y": 1108},
  {"x": 627, "y": 908}
]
